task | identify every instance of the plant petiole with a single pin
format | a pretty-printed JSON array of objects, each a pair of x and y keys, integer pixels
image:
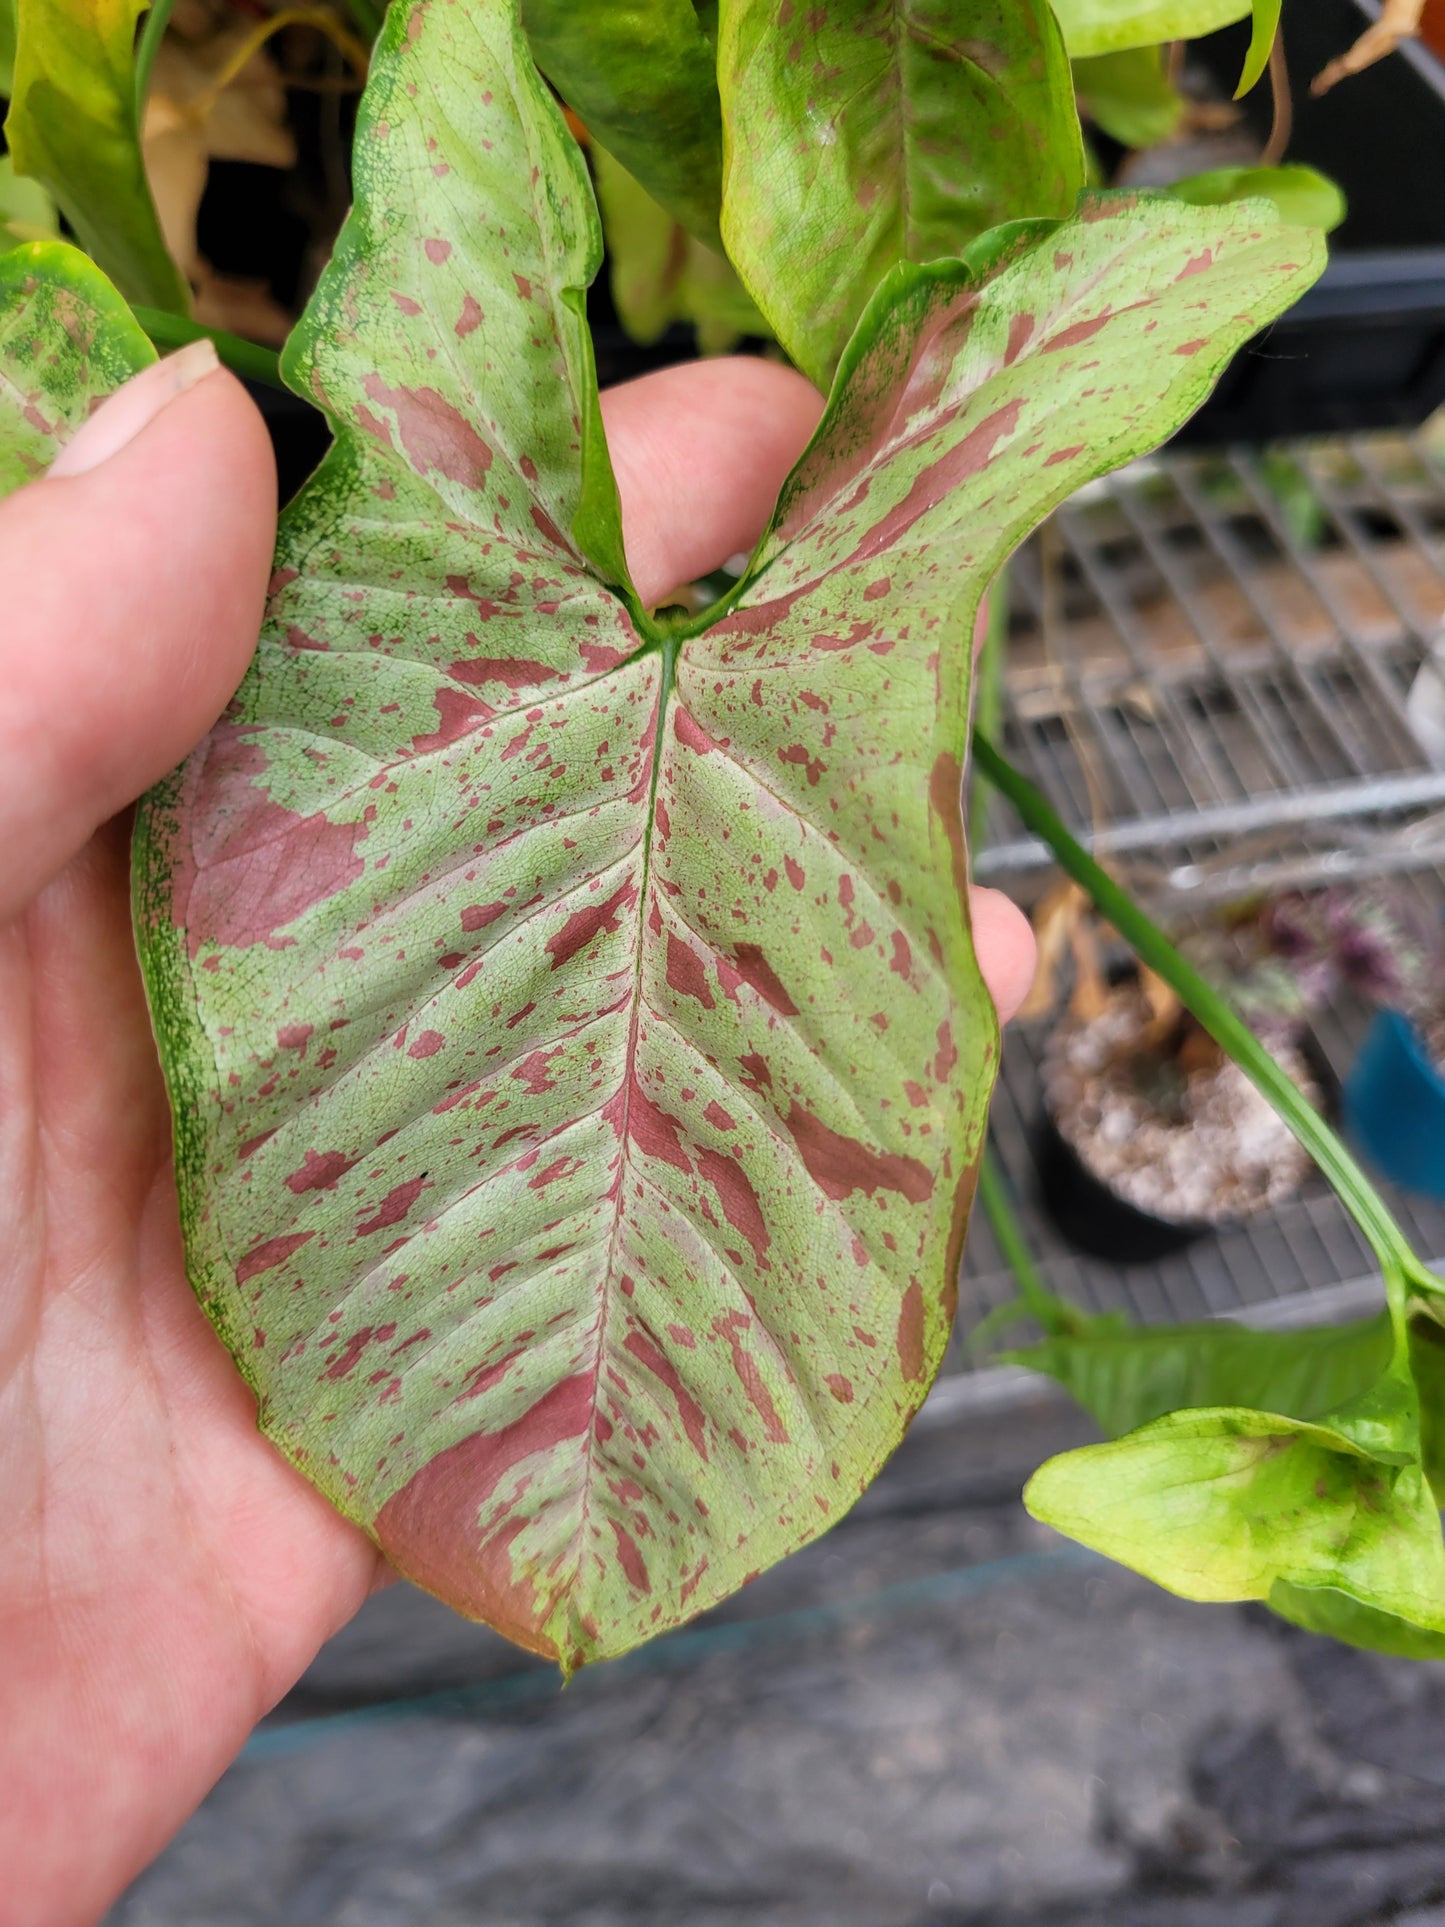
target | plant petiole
[
  {"x": 1402, "y": 1270},
  {"x": 1056, "y": 1318},
  {"x": 152, "y": 32},
  {"x": 246, "y": 358}
]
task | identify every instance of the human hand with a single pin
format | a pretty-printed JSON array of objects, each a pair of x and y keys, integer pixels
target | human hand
[{"x": 166, "y": 1575}]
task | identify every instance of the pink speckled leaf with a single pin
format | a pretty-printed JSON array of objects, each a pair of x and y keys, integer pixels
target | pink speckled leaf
[
  {"x": 578, "y": 1052},
  {"x": 66, "y": 340},
  {"x": 862, "y": 133}
]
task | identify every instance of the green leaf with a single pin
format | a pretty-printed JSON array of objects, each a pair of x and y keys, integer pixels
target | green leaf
[
  {"x": 72, "y": 126},
  {"x": 1234, "y": 1504},
  {"x": 1427, "y": 1368},
  {"x": 661, "y": 273},
  {"x": 577, "y": 1049},
  {"x": 1127, "y": 1377},
  {"x": 27, "y": 212},
  {"x": 1338, "y": 1615},
  {"x": 878, "y": 131},
  {"x": 1325, "y": 1610},
  {"x": 1212, "y": 1502},
  {"x": 1129, "y": 95},
  {"x": 66, "y": 340},
  {"x": 1264, "y": 27},
  {"x": 7, "y": 47},
  {"x": 643, "y": 78},
  {"x": 1108, "y": 26},
  {"x": 1300, "y": 194}
]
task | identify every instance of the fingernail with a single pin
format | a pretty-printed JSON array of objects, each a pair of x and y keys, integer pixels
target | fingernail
[{"x": 122, "y": 416}]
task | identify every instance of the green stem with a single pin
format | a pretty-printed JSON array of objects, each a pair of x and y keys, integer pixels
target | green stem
[
  {"x": 152, "y": 33},
  {"x": 246, "y": 358},
  {"x": 1365, "y": 1205},
  {"x": 1035, "y": 1295},
  {"x": 367, "y": 17}
]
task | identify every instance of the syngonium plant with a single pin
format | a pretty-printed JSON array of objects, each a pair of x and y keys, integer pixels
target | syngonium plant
[{"x": 579, "y": 1059}]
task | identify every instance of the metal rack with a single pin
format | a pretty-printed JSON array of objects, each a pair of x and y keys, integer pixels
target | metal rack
[{"x": 1209, "y": 658}]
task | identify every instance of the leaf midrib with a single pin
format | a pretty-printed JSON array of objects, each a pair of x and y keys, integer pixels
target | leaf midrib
[{"x": 670, "y": 643}]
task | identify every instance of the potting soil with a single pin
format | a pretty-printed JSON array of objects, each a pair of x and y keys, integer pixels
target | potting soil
[{"x": 1201, "y": 1146}]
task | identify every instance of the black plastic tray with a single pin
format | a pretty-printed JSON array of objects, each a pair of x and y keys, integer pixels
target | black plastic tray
[{"x": 1365, "y": 348}]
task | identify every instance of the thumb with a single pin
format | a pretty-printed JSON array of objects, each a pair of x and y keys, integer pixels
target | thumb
[{"x": 135, "y": 574}]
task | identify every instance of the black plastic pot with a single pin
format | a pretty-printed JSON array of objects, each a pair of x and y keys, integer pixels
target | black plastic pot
[
  {"x": 1365, "y": 347},
  {"x": 1095, "y": 1219}
]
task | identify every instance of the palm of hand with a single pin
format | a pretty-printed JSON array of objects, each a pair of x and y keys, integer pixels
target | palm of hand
[{"x": 166, "y": 1573}]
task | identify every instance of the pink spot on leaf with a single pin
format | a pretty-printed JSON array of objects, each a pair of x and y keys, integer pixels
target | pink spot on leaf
[
  {"x": 476, "y": 916},
  {"x": 459, "y": 715},
  {"x": 688, "y": 1410},
  {"x": 630, "y": 1558},
  {"x": 584, "y": 925},
  {"x": 433, "y": 1530},
  {"x": 514, "y": 672},
  {"x": 685, "y": 972},
  {"x": 266, "y": 1257},
  {"x": 320, "y": 1171},
  {"x": 251, "y": 867},
  {"x": 841, "y": 1165},
  {"x": 393, "y": 1207},
  {"x": 437, "y": 437},
  {"x": 755, "y": 970},
  {"x": 910, "y": 1332},
  {"x": 347, "y": 1359},
  {"x": 737, "y": 1197},
  {"x": 729, "y": 1327}
]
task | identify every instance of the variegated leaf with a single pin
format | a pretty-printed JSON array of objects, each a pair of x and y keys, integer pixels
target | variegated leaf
[
  {"x": 578, "y": 1052},
  {"x": 862, "y": 133},
  {"x": 66, "y": 340}
]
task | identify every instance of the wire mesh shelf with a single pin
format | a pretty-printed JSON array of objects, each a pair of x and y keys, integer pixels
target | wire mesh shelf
[{"x": 1208, "y": 665}]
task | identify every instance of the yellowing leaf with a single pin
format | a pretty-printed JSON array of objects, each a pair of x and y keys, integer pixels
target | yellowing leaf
[
  {"x": 1129, "y": 96},
  {"x": 1264, "y": 27},
  {"x": 661, "y": 273},
  {"x": 870, "y": 132},
  {"x": 1301, "y": 194},
  {"x": 27, "y": 212},
  {"x": 66, "y": 340},
  {"x": 1229, "y": 1504},
  {"x": 1399, "y": 20},
  {"x": 7, "y": 47},
  {"x": 1106, "y": 26},
  {"x": 72, "y": 127}
]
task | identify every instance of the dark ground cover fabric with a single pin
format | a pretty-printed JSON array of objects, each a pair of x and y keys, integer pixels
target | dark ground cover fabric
[{"x": 940, "y": 1713}]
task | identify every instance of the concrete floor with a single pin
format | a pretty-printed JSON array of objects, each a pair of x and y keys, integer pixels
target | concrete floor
[{"x": 940, "y": 1713}]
